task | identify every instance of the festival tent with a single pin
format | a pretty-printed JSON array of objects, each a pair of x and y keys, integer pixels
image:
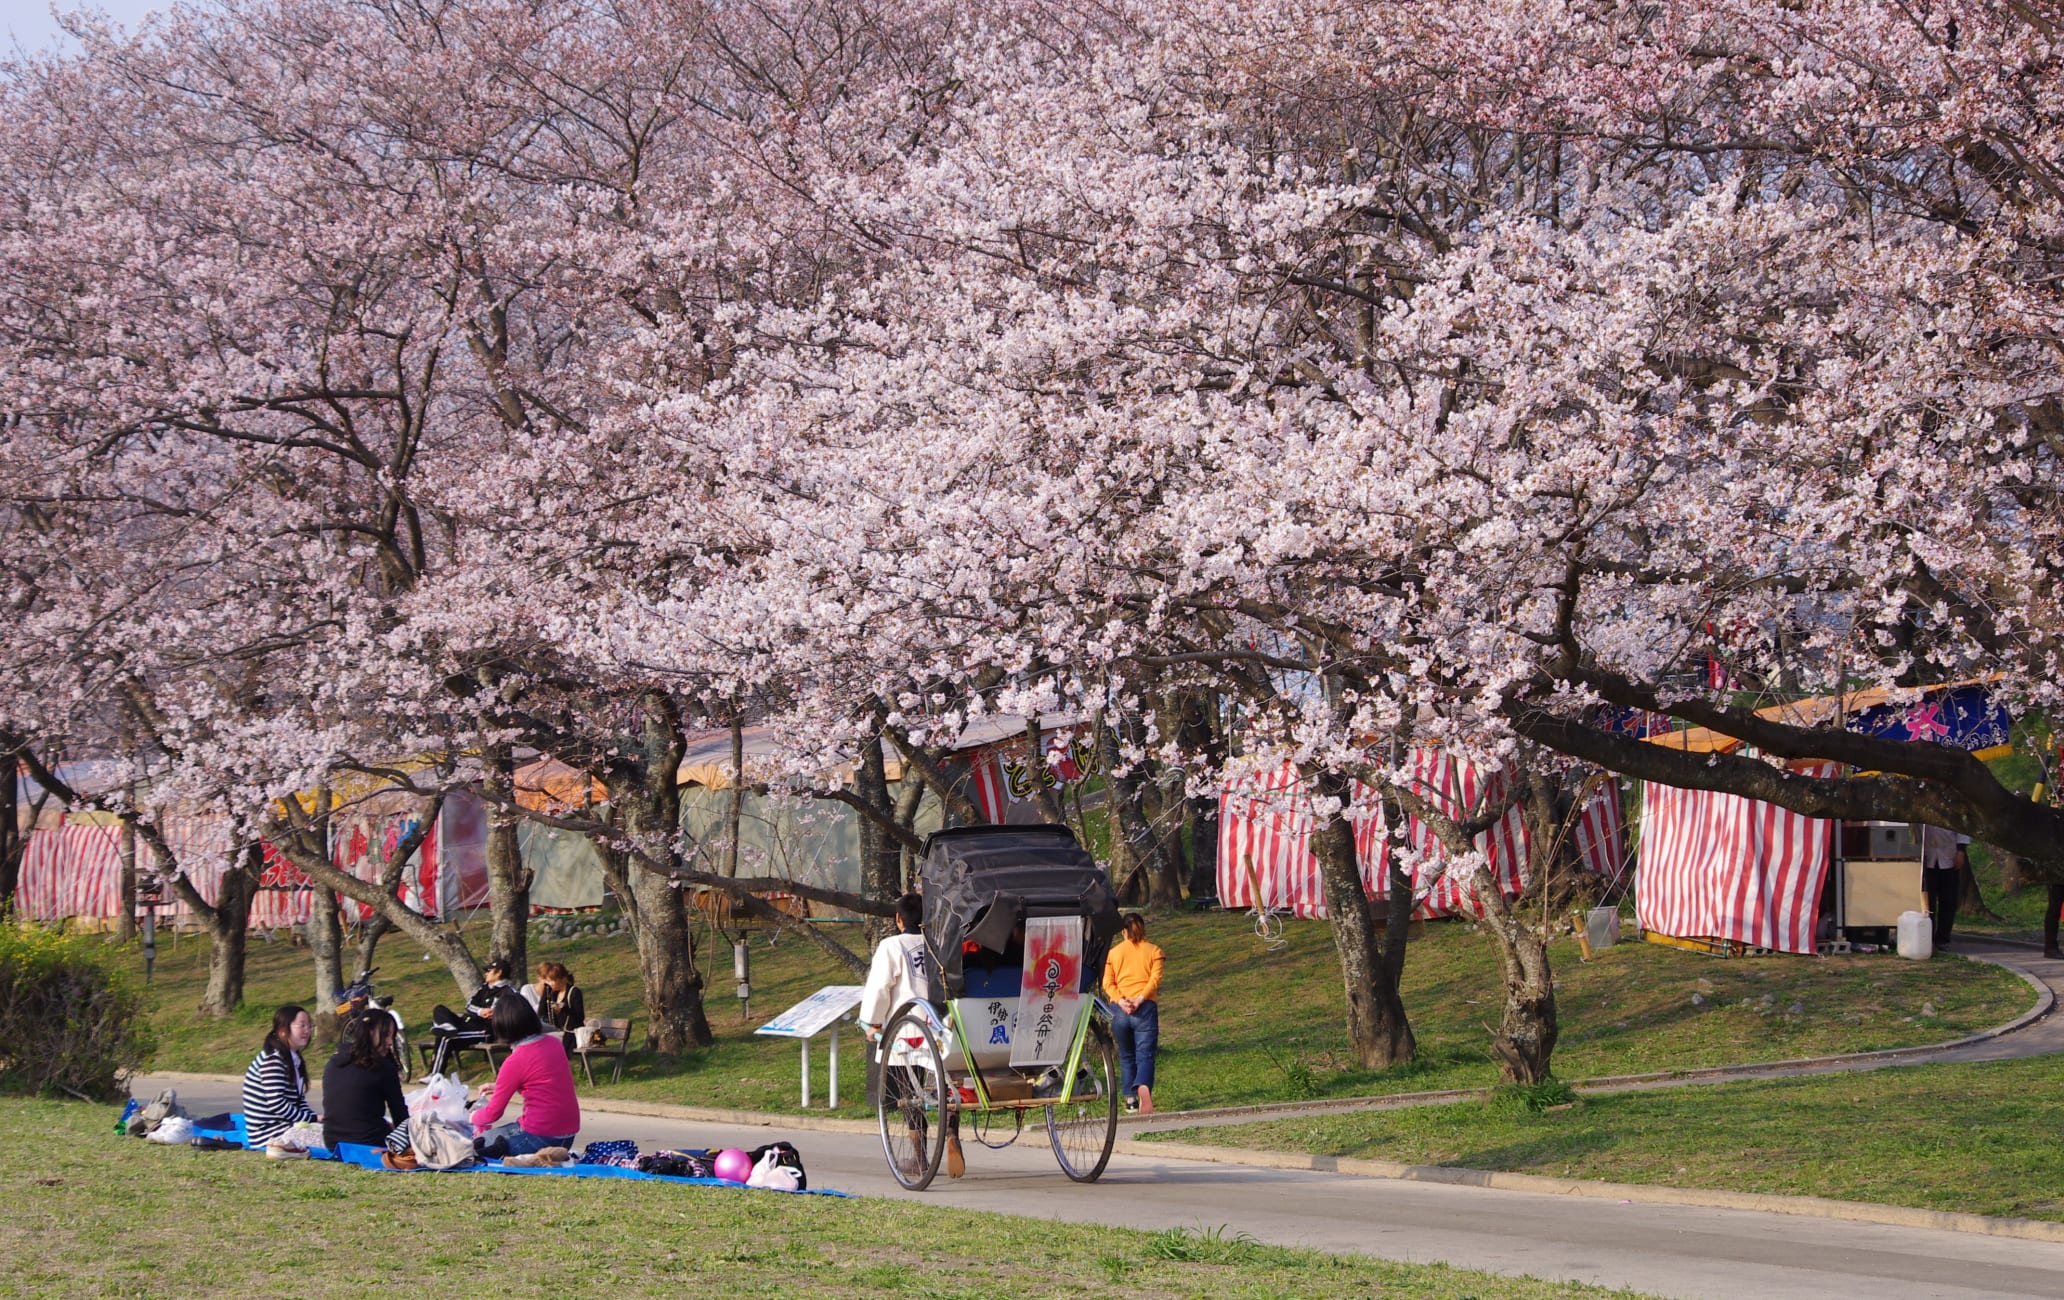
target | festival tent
[
  {"x": 1265, "y": 824},
  {"x": 1719, "y": 867},
  {"x": 72, "y": 869}
]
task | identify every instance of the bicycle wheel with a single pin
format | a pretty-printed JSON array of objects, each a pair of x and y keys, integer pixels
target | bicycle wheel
[
  {"x": 1082, "y": 1130},
  {"x": 912, "y": 1104}
]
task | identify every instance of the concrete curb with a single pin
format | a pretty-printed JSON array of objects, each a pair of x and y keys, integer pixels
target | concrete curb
[{"x": 1639, "y": 1193}]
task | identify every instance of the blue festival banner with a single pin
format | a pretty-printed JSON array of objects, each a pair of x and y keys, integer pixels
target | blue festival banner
[{"x": 1965, "y": 717}]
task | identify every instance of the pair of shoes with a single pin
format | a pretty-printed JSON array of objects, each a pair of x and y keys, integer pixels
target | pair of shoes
[
  {"x": 215, "y": 1144},
  {"x": 285, "y": 1151},
  {"x": 543, "y": 1158},
  {"x": 402, "y": 1161},
  {"x": 494, "y": 1149},
  {"x": 956, "y": 1163},
  {"x": 1130, "y": 1105}
]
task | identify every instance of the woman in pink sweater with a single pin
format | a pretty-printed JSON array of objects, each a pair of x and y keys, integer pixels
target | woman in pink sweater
[{"x": 537, "y": 1071}]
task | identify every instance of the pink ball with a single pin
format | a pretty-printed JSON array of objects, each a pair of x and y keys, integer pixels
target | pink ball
[{"x": 733, "y": 1165}]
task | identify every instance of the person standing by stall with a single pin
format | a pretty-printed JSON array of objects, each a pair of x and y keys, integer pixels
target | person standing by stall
[
  {"x": 1132, "y": 983},
  {"x": 1943, "y": 863}
]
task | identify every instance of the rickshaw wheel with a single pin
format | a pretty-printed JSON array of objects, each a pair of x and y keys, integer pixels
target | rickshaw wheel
[
  {"x": 1083, "y": 1130},
  {"x": 912, "y": 1102}
]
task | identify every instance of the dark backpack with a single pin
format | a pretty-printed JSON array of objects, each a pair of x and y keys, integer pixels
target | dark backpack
[{"x": 787, "y": 1156}]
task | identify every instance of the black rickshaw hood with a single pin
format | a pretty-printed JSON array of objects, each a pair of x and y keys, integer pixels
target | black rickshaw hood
[{"x": 981, "y": 882}]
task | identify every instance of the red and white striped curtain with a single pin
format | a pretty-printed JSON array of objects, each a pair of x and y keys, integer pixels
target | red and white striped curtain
[
  {"x": 1718, "y": 866},
  {"x": 71, "y": 869},
  {"x": 1264, "y": 841},
  {"x": 1601, "y": 829}
]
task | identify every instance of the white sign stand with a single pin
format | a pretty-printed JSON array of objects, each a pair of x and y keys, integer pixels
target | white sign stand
[{"x": 822, "y": 1010}]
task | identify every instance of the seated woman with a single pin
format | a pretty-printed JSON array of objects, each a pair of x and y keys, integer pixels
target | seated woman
[
  {"x": 362, "y": 1087},
  {"x": 559, "y": 1002},
  {"x": 276, "y": 1085},
  {"x": 536, "y": 1071}
]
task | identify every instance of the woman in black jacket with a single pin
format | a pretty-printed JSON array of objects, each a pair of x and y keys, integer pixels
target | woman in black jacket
[{"x": 362, "y": 1087}]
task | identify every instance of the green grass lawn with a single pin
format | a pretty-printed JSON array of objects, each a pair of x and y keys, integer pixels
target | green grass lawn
[
  {"x": 1240, "y": 1024},
  {"x": 92, "y": 1214},
  {"x": 1980, "y": 1139}
]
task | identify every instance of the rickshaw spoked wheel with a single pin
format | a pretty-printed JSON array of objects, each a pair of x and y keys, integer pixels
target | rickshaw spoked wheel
[
  {"x": 913, "y": 1104},
  {"x": 1083, "y": 1130}
]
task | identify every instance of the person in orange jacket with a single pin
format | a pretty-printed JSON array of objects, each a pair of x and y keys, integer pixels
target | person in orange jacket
[{"x": 1132, "y": 983}]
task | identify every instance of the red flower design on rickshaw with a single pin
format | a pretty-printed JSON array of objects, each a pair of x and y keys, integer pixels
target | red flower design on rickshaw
[{"x": 1053, "y": 965}]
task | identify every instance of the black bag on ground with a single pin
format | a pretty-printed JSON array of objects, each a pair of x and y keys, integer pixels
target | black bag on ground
[{"x": 786, "y": 1156}]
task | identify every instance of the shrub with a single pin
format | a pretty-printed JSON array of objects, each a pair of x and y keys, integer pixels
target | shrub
[{"x": 71, "y": 1019}]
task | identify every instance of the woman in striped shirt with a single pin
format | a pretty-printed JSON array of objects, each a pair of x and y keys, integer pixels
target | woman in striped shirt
[{"x": 276, "y": 1085}]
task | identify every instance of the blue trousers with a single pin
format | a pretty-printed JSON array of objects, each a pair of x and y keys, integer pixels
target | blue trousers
[
  {"x": 1138, "y": 1034},
  {"x": 523, "y": 1143}
]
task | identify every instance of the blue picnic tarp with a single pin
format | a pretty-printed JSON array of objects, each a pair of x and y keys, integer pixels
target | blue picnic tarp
[{"x": 366, "y": 1157}]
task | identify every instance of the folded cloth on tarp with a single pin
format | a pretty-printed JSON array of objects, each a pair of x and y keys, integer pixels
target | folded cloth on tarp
[{"x": 369, "y": 1158}]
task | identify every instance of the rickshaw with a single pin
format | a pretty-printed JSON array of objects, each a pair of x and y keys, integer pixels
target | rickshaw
[{"x": 1017, "y": 920}]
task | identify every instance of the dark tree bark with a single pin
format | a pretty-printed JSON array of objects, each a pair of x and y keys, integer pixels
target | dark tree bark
[
  {"x": 647, "y": 805},
  {"x": 16, "y": 760},
  {"x": 325, "y": 934},
  {"x": 1526, "y": 1035},
  {"x": 229, "y": 932},
  {"x": 1377, "y": 1027},
  {"x": 1135, "y": 849},
  {"x": 1525, "y": 1039},
  {"x": 508, "y": 881},
  {"x": 12, "y": 841},
  {"x": 734, "y": 814},
  {"x": 227, "y": 919},
  {"x": 1911, "y": 781},
  {"x": 125, "y": 857},
  {"x": 881, "y": 859},
  {"x": 1196, "y": 735}
]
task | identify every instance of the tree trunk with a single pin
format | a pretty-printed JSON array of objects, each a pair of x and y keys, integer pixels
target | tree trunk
[
  {"x": 228, "y": 932},
  {"x": 12, "y": 840},
  {"x": 1135, "y": 850},
  {"x": 1526, "y": 1035},
  {"x": 370, "y": 933},
  {"x": 649, "y": 808},
  {"x": 227, "y": 918},
  {"x": 909, "y": 797},
  {"x": 1525, "y": 1038},
  {"x": 326, "y": 945},
  {"x": 125, "y": 857},
  {"x": 2013, "y": 872},
  {"x": 881, "y": 858},
  {"x": 1377, "y": 1027},
  {"x": 1198, "y": 736},
  {"x": 508, "y": 882},
  {"x": 734, "y": 814}
]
